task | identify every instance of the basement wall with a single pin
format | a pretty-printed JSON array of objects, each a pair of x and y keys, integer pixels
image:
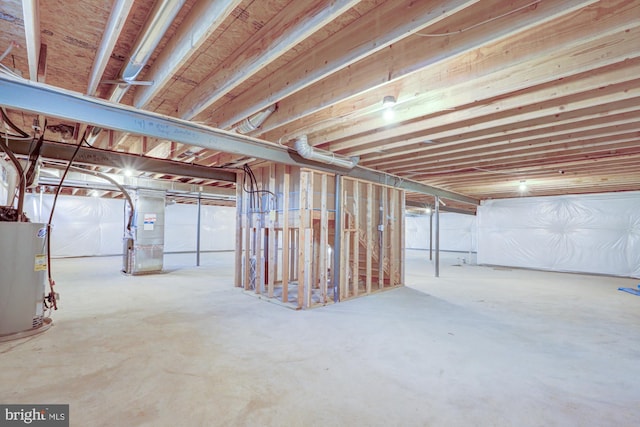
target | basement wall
[
  {"x": 91, "y": 226},
  {"x": 597, "y": 233},
  {"x": 457, "y": 232}
]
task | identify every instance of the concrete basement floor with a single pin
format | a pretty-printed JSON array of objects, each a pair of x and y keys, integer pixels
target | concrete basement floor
[{"x": 477, "y": 347}]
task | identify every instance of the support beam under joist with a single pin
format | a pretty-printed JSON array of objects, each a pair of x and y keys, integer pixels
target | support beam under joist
[
  {"x": 39, "y": 98},
  {"x": 97, "y": 157}
]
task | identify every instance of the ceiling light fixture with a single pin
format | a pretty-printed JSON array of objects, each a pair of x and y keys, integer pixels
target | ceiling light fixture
[
  {"x": 388, "y": 101},
  {"x": 389, "y": 114},
  {"x": 523, "y": 186}
]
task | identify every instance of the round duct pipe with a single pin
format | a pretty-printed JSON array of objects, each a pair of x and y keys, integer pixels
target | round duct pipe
[
  {"x": 308, "y": 152},
  {"x": 254, "y": 122}
]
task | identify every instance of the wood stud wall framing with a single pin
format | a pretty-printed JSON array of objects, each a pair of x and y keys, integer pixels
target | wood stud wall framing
[{"x": 285, "y": 241}]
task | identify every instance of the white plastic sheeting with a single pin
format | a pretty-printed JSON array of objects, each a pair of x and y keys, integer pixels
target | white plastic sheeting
[
  {"x": 81, "y": 226},
  {"x": 217, "y": 228},
  {"x": 457, "y": 232},
  {"x": 586, "y": 233},
  {"x": 91, "y": 226}
]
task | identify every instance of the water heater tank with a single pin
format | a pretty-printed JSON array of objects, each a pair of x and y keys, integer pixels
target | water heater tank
[{"x": 23, "y": 267}]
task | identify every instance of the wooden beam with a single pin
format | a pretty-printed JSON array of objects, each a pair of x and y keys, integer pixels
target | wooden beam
[
  {"x": 117, "y": 18},
  {"x": 31, "y": 20},
  {"x": 505, "y": 148},
  {"x": 500, "y": 79},
  {"x": 402, "y": 61},
  {"x": 42, "y": 63},
  {"x": 381, "y": 27},
  {"x": 204, "y": 18},
  {"x": 591, "y": 119},
  {"x": 572, "y": 93},
  {"x": 290, "y": 27}
]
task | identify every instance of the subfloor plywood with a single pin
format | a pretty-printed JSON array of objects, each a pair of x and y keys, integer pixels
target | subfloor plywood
[{"x": 478, "y": 346}]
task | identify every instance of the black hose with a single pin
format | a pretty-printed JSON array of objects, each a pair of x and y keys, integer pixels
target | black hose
[
  {"x": 52, "y": 295},
  {"x": 8, "y": 121}
]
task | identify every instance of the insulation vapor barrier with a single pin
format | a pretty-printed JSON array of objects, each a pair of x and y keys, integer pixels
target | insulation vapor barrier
[
  {"x": 457, "y": 232},
  {"x": 91, "y": 226},
  {"x": 587, "y": 234}
]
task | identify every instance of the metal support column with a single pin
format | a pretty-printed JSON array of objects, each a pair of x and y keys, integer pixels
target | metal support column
[
  {"x": 431, "y": 235},
  {"x": 437, "y": 265},
  {"x": 198, "y": 231}
]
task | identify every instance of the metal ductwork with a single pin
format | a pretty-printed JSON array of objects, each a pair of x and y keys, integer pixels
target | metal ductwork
[
  {"x": 162, "y": 16},
  {"x": 254, "y": 122},
  {"x": 308, "y": 152}
]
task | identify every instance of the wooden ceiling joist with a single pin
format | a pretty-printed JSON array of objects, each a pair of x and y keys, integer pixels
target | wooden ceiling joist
[{"x": 269, "y": 43}]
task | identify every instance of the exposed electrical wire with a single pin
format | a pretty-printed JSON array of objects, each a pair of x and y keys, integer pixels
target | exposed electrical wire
[
  {"x": 495, "y": 18},
  {"x": 254, "y": 191},
  {"x": 4, "y": 145},
  {"x": 499, "y": 172},
  {"x": 52, "y": 295},
  {"x": 21, "y": 179}
]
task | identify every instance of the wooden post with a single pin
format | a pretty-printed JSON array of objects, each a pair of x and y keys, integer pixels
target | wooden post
[
  {"x": 286, "y": 237},
  {"x": 310, "y": 280},
  {"x": 302, "y": 268},
  {"x": 392, "y": 236},
  {"x": 344, "y": 254},
  {"x": 259, "y": 230},
  {"x": 355, "y": 276},
  {"x": 324, "y": 237},
  {"x": 271, "y": 241},
  {"x": 293, "y": 273}
]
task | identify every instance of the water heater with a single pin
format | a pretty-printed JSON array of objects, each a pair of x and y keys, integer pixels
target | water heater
[{"x": 23, "y": 268}]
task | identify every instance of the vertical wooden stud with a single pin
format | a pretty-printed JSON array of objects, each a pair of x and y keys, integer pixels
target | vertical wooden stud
[
  {"x": 286, "y": 236},
  {"x": 271, "y": 241},
  {"x": 324, "y": 238},
  {"x": 356, "y": 238},
  {"x": 393, "y": 243},
  {"x": 302, "y": 268}
]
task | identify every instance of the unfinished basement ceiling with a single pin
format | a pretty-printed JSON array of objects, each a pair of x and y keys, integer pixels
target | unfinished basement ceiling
[{"x": 489, "y": 93}]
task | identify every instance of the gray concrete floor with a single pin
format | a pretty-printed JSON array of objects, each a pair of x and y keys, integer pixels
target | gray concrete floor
[{"x": 477, "y": 347}]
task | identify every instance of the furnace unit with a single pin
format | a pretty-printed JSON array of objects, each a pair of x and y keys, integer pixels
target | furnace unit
[{"x": 143, "y": 249}]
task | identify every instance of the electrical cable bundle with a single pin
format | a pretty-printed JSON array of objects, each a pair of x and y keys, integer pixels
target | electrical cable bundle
[{"x": 255, "y": 201}]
